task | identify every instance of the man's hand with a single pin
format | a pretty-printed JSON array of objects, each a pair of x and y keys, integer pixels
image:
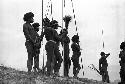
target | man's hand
[
  {"x": 108, "y": 54},
  {"x": 100, "y": 71}
]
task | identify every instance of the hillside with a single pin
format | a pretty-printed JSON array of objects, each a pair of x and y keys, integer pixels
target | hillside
[{"x": 9, "y": 75}]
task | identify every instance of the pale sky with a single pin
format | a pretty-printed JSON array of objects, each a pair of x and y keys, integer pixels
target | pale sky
[{"x": 91, "y": 15}]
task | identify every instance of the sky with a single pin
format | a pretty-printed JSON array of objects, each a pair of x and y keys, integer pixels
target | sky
[{"x": 92, "y": 16}]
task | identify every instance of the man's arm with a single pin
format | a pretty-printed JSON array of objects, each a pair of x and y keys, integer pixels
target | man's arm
[
  {"x": 121, "y": 54},
  {"x": 26, "y": 33},
  {"x": 106, "y": 55},
  {"x": 59, "y": 37}
]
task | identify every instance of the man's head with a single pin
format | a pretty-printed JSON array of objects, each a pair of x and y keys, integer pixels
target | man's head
[
  {"x": 122, "y": 46},
  {"x": 75, "y": 38},
  {"x": 28, "y": 17},
  {"x": 46, "y": 22},
  {"x": 36, "y": 26},
  {"x": 64, "y": 31},
  {"x": 102, "y": 54},
  {"x": 54, "y": 24}
]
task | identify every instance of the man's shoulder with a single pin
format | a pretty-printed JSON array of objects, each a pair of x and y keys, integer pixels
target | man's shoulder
[
  {"x": 122, "y": 54},
  {"x": 25, "y": 25},
  {"x": 73, "y": 45},
  {"x": 101, "y": 59}
]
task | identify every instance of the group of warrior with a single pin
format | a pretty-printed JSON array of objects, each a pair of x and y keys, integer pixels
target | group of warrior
[{"x": 54, "y": 58}]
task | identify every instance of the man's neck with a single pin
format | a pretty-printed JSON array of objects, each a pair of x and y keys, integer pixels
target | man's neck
[{"x": 28, "y": 22}]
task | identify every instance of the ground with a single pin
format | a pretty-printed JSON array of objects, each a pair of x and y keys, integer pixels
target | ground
[{"x": 9, "y": 75}]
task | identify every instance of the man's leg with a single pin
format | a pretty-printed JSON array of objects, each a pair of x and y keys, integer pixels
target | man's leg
[
  {"x": 30, "y": 51},
  {"x": 58, "y": 59},
  {"x": 103, "y": 75},
  {"x": 78, "y": 66},
  {"x": 121, "y": 75},
  {"x": 36, "y": 62},
  {"x": 75, "y": 68},
  {"x": 107, "y": 77},
  {"x": 124, "y": 73},
  {"x": 50, "y": 46},
  {"x": 66, "y": 67}
]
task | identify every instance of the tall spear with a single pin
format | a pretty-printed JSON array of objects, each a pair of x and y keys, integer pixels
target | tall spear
[
  {"x": 62, "y": 13},
  {"x": 41, "y": 34},
  {"x": 62, "y": 27},
  {"x": 42, "y": 15},
  {"x": 103, "y": 45},
  {"x": 66, "y": 19}
]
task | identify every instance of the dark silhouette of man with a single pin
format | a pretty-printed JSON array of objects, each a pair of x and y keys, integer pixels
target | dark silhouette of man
[
  {"x": 37, "y": 47},
  {"x": 30, "y": 36},
  {"x": 76, "y": 54},
  {"x": 65, "y": 43},
  {"x": 57, "y": 39},
  {"x": 50, "y": 46},
  {"x": 122, "y": 63},
  {"x": 103, "y": 67}
]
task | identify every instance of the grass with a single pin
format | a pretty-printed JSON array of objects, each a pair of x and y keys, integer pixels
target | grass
[{"x": 10, "y": 75}]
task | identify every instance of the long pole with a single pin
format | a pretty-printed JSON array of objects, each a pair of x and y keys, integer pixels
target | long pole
[
  {"x": 42, "y": 41},
  {"x": 51, "y": 10},
  {"x": 42, "y": 15},
  {"x": 62, "y": 13},
  {"x": 63, "y": 46}
]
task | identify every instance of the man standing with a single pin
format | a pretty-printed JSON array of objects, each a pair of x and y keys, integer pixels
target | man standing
[
  {"x": 29, "y": 33},
  {"x": 122, "y": 63},
  {"x": 76, "y": 54},
  {"x": 57, "y": 39},
  {"x": 37, "y": 47},
  {"x": 103, "y": 67},
  {"x": 65, "y": 43},
  {"x": 50, "y": 46}
]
